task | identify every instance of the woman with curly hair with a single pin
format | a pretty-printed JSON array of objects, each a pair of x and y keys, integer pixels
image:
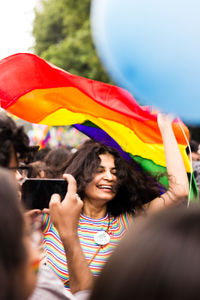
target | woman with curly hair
[{"x": 113, "y": 191}]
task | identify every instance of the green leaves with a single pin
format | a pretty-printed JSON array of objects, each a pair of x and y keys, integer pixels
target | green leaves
[{"x": 63, "y": 37}]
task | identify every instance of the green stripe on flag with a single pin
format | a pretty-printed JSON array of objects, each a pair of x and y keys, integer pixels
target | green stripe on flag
[{"x": 154, "y": 169}]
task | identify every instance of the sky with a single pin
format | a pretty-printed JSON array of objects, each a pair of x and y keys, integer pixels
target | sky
[{"x": 16, "y": 19}]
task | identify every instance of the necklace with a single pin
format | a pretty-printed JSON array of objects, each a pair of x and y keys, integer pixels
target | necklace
[{"x": 102, "y": 237}]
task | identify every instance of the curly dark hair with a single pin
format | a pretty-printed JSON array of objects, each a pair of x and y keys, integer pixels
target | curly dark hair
[
  {"x": 134, "y": 186},
  {"x": 13, "y": 136}
]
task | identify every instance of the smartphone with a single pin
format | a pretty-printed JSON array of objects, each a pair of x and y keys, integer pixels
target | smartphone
[{"x": 36, "y": 193}]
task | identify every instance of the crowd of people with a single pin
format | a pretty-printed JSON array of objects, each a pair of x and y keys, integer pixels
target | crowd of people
[{"x": 117, "y": 233}]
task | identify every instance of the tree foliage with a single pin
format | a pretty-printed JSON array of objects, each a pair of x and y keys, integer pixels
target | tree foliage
[{"x": 63, "y": 36}]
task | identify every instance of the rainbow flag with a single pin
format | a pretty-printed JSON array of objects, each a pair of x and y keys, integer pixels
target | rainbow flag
[
  {"x": 38, "y": 92},
  {"x": 46, "y": 137}
]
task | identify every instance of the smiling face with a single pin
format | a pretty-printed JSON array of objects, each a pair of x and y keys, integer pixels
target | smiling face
[{"x": 103, "y": 186}]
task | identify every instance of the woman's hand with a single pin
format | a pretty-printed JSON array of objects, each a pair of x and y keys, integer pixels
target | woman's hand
[{"x": 164, "y": 121}]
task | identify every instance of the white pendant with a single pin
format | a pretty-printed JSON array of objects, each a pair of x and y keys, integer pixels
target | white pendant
[{"x": 102, "y": 238}]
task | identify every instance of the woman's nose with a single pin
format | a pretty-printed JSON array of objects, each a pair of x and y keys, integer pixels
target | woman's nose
[{"x": 108, "y": 175}]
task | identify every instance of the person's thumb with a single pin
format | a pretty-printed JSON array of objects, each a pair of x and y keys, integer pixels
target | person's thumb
[{"x": 55, "y": 200}]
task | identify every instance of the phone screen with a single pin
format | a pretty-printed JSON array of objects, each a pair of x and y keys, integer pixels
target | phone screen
[{"x": 36, "y": 193}]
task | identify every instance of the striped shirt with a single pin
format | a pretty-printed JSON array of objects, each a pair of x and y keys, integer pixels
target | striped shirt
[{"x": 87, "y": 228}]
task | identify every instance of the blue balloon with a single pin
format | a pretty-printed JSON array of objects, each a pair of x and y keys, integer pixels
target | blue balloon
[{"x": 152, "y": 48}]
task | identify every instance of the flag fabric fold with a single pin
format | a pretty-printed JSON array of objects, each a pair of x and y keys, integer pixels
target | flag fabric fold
[{"x": 41, "y": 93}]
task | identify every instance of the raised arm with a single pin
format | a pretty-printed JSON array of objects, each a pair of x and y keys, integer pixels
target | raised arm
[
  {"x": 177, "y": 176},
  {"x": 65, "y": 217}
]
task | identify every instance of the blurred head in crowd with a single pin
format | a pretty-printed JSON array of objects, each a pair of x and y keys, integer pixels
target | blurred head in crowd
[
  {"x": 42, "y": 153},
  {"x": 195, "y": 150},
  {"x": 54, "y": 160},
  {"x": 56, "y": 157},
  {"x": 18, "y": 259},
  {"x": 14, "y": 143},
  {"x": 160, "y": 259},
  {"x": 38, "y": 169}
]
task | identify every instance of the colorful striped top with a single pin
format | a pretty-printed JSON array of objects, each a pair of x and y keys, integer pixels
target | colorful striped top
[{"x": 87, "y": 228}]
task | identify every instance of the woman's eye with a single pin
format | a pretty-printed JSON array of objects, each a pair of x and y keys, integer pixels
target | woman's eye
[
  {"x": 99, "y": 170},
  {"x": 114, "y": 172}
]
